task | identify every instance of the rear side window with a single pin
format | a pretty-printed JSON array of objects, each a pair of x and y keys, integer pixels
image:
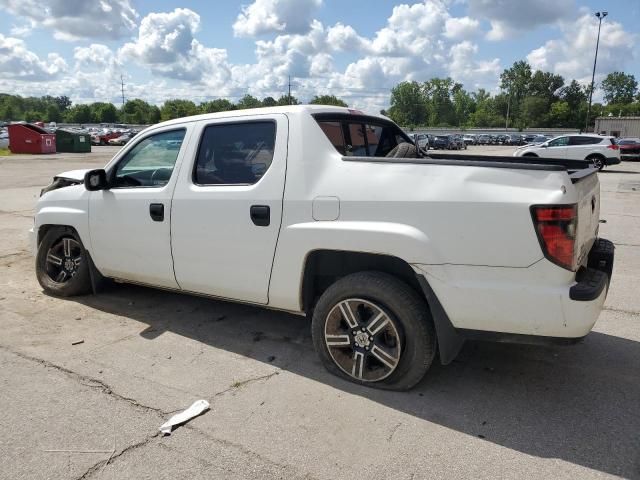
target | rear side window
[
  {"x": 235, "y": 153},
  {"x": 333, "y": 131},
  {"x": 363, "y": 138},
  {"x": 358, "y": 144},
  {"x": 584, "y": 140}
]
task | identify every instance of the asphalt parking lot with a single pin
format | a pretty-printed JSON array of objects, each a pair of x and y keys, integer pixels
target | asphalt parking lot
[{"x": 498, "y": 411}]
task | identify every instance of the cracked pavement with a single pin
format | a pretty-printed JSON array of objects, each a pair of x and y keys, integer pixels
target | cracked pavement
[{"x": 498, "y": 411}]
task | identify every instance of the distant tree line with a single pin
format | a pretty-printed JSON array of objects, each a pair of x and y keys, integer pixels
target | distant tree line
[
  {"x": 527, "y": 99},
  {"x": 136, "y": 111}
]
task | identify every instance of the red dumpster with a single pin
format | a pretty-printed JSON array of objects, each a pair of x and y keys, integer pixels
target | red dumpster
[{"x": 27, "y": 138}]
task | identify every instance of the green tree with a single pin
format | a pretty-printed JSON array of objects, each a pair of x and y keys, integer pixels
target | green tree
[
  {"x": 177, "y": 108},
  {"x": 619, "y": 87},
  {"x": 102, "y": 112},
  {"x": 559, "y": 114},
  {"x": 218, "y": 105},
  {"x": 53, "y": 113},
  {"x": 408, "y": 104},
  {"x": 269, "y": 102},
  {"x": 463, "y": 105},
  {"x": 137, "y": 111},
  {"x": 30, "y": 116},
  {"x": 438, "y": 93},
  {"x": 288, "y": 100},
  {"x": 249, "y": 101},
  {"x": 78, "y": 114},
  {"x": 328, "y": 100},
  {"x": 545, "y": 85},
  {"x": 515, "y": 81},
  {"x": 534, "y": 112}
]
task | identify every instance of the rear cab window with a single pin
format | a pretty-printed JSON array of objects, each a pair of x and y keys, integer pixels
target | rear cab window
[{"x": 361, "y": 135}]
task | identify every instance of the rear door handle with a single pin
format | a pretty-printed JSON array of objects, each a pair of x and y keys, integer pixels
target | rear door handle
[
  {"x": 260, "y": 215},
  {"x": 156, "y": 210}
]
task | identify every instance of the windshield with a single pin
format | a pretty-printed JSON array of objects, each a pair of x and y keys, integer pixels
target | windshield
[
  {"x": 442, "y": 137},
  {"x": 628, "y": 142}
]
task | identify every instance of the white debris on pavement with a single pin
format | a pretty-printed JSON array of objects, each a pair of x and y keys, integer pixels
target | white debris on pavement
[{"x": 193, "y": 411}]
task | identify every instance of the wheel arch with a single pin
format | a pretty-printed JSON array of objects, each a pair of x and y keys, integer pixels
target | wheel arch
[{"x": 323, "y": 267}]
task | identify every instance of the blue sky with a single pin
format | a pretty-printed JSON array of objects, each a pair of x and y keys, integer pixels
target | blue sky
[{"x": 355, "y": 49}]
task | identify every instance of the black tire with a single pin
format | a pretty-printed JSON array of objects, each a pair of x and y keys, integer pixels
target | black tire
[
  {"x": 403, "y": 150},
  {"x": 408, "y": 316},
  {"x": 598, "y": 161},
  {"x": 64, "y": 245}
]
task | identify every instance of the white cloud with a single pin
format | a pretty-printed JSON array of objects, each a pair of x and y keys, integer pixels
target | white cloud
[
  {"x": 461, "y": 28},
  {"x": 275, "y": 16},
  {"x": 508, "y": 17},
  {"x": 17, "y": 62},
  {"x": 167, "y": 46},
  {"x": 572, "y": 55},
  {"x": 70, "y": 20}
]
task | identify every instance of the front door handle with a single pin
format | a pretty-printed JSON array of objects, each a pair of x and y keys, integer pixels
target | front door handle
[
  {"x": 156, "y": 210},
  {"x": 260, "y": 215}
]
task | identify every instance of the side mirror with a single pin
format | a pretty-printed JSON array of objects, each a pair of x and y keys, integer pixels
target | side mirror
[
  {"x": 544, "y": 145},
  {"x": 96, "y": 180}
]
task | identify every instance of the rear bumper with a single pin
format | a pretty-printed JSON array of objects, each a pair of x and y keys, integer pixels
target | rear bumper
[
  {"x": 612, "y": 160},
  {"x": 595, "y": 278},
  {"x": 630, "y": 156},
  {"x": 542, "y": 302}
]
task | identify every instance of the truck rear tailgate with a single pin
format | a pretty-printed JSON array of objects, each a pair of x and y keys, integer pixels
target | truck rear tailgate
[{"x": 588, "y": 195}]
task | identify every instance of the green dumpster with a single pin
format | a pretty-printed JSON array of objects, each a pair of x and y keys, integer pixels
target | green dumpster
[{"x": 72, "y": 141}]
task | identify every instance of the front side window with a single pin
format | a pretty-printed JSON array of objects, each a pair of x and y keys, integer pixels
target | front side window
[
  {"x": 150, "y": 162},
  {"x": 235, "y": 153},
  {"x": 559, "y": 142}
]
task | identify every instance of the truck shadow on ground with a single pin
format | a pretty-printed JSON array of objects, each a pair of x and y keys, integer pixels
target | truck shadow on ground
[{"x": 580, "y": 404}]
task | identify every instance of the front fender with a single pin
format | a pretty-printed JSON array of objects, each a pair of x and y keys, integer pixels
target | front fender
[{"x": 66, "y": 206}]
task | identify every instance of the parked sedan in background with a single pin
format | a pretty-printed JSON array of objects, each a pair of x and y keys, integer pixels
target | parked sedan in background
[
  {"x": 121, "y": 140},
  {"x": 470, "y": 139},
  {"x": 484, "y": 139},
  {"x": 629, "y": 148}
]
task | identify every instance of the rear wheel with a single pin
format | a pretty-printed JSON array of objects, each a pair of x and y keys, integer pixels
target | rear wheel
[
  {"x": 373, "y": 329},
  {"x": 597, "y": 161},
  {"x": 62, "y": 266}
]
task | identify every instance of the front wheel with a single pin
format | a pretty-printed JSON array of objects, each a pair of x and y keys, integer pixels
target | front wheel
[
  {"x": 373, "y": 329},
  {"x": 62, "y": 266}
]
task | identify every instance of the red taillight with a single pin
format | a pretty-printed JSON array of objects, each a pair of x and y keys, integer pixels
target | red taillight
[
  {"x": 556, "y": 228},
  {"x": 614, "y": 147}
]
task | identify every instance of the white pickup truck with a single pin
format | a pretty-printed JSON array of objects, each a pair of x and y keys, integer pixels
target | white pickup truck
[{"x": 331, "y": 213}]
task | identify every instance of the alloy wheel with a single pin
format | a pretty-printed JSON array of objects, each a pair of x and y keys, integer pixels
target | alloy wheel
[
  {"x": 363, "y": 339},
  {"x": 63, "y": 259}
]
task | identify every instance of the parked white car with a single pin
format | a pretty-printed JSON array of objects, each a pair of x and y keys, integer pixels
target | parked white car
[
  {"x": 422, "y": 139},
  {"x": 597, "y": 149},
  {"x": 330, "y": 213}
]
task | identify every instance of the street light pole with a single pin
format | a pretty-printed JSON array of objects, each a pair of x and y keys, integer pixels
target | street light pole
[{"x": 600, "y": 16}]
